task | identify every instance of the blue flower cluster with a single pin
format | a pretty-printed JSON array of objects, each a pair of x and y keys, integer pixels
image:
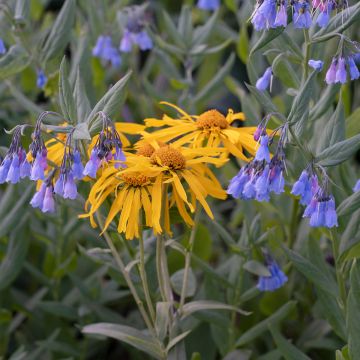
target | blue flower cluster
[
  {"x": 339, "y": 68},
  {"x": 105, "y": 50},
  {"x": 263, "y": 175},
  {"x": 273, "y": 282},
  {"x": 320, "y": 204},
  {"x": 270, "y": 14}
]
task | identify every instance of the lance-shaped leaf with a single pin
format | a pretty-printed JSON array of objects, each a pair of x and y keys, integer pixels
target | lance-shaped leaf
[
  {"x": 349, "y": 205},
  {"x": 81, "y": 100},
  {"x": 60, "y": 32},
  {"x": 111, "y": 102},
  {"x": 66, "y": 99},
  {"x": 14, "y": 61},
  {"x": 263, "y": 98},
  {"x": 265, "y": 38},
  {"x": 129, "y": 335},
  {"x": 339, "y": 152}
]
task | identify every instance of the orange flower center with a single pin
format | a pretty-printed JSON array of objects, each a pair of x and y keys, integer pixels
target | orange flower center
[
  {"x": 147, "y": 150},
  {"x": 135, "y": 180},
  {"x": 170, "y": 157},
  {"x": 211, "y": 119}
]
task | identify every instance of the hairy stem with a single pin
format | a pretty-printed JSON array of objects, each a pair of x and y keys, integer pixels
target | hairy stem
[{"x": 307, "y": 55}]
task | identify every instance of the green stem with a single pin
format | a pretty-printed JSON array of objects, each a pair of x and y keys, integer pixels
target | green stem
[
  {"x": 339, "y": 276},
  {"x": 307, "y": 55},
  {"x": 293, "y": 222},
  {"x": 144, "y": 279},
  {"x": 188, "y": 255},
  {"x": 126, "y": 276}
]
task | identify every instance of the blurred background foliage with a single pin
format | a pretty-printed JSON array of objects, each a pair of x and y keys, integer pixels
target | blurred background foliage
[{"x": 56, "y": 274}]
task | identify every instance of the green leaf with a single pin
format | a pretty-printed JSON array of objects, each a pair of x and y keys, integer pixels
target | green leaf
[
  {"x": 262, "y": 326},
  {"x": 60, "y": 32},
  {"x": 162, "y": 319},
  {"x": 263, "y": 98},
  {"x": 22, "y": 10},
  {"x": 325, "y": 102},
  {"x": 129, "y": 335},
  {"x": 338, "y": 24},
  {"x": 65, "y": 94},
  {"x": 172, "y": 31},
  {"x": 81, "y": 100},
  {"x": 353, "y": 123},
  {"x": 185, "y": 27},
  {"x": 177, "y": 339},
  {"x": 202, "y": 33},
  {"x": 242, "y": 46},
  {"x": 284, "y": 71},
  {"x": 14, "y": 61},
  {"x": 350, "y": 239},
  {"x": 199, "y": 305},
  {"x": 177, "y": 282},
  {"x": 111, "y": 102},
  {"x": 353, "y": 312},
  {"x": 334, "y": 131},
  {"x": 14, "y": 258},
  {"x": 312, "y": 273},
  {"x": 338, "y": 153},
  {"x": 289, "y": 351},
  {"x": 255, "y": 267},
  {"x": 215, "y": 82},
  {"x": 300, "y": 105},
  {"x": 349, "y": 205},
  {"x": 265, "y": 38},
  {"x": 58, "y": 309},
  {"x": 81, "y": 132}
]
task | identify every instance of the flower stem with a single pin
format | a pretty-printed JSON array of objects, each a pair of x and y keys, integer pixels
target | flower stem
[
  {"x": 188, "y": 255},
  {"x": 126, "y": 276},
  {"x": 339, "y": 275},
  {"x": 307, "y": 55},
  {"x": 144, "y": 279}
]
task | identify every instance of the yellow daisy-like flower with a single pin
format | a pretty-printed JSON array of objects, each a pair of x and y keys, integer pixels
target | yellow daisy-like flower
[
  {"x": 211, "y": 129},
  {"x": 185, "y": 170},
  {"x": 156, "y": 179}
]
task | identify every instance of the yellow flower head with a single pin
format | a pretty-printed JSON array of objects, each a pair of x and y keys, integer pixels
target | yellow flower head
[{"x": 211, "y": 129}]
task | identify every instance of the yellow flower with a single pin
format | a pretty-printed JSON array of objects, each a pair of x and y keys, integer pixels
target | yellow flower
[
  {"x": 132, "y": 195},
  {"x": 155, "y": 179},
  {"x": 185, "y": 170},
  {"x": 211, "y": 129}
]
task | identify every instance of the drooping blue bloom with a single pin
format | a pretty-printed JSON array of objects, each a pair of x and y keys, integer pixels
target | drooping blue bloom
[
  {"x": 263, "y": 152},
  {"x": 302, "y": 16},
  {"x": 353, "y": 69},
  {"x": 356, "y": 58},
  {"x": 341, "y": 74},
  {"x": 305, "y": 187},
  {"x": 262, "y": 186},
  {"x": 70, "y": 189},
  {"x": 13, "y": 175},
  {"x": 273, "y": 282},
  {"x": 330, "y": 214},
  {"x": 39, "y": 166},
  {"x": 263, "y": 83},
  {"x": 277, "y": 181},
  {"x": 59, "y": 185},
  {"x": 4, "y": 168},
  {"x": 77, "y": 166},
  {"x": 49, "y": 201},
  {"x": 105, "y": 51},
  {"x": 208, "y": 4},
  {"x": 249, "y": 191},
  {"x": 92, "y": 165},
  {"x": 135, "y": 34},
  {"x": 119, "y": 157},
  {"x": 281, "y": 15},
  {"x": 38, "y": 199},
  {"x": 316, "y": 64},
  {"x": 41, "y": 79},
  {"x": 331, "y": 73},
  {"x": 357, "y": 186},
  {"x": 264, "y": 15},
  {"x": 318, "y": 217},
  {"x": 2, "y": 47},
  {"x": 237, "y": 183},
  {"x": 324, "y": 15},
  {"x": 25, "y": 166}
]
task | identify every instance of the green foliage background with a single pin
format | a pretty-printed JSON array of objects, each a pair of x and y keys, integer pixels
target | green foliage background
[{"x": 56, "y": 274}]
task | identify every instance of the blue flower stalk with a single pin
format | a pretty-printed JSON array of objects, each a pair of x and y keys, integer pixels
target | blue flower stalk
[
  {"x": 257, "y": 179},
  {"x": 105, "y": 51},
  {"x": 38, "y": 152},
  {"x": 276, "y": 280},
  {"x": 15, "y": 165},
  {"x": 108, "y": 147},
  {"x": 71, "y": 169},
  {"x": 135, "y": 32}
]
